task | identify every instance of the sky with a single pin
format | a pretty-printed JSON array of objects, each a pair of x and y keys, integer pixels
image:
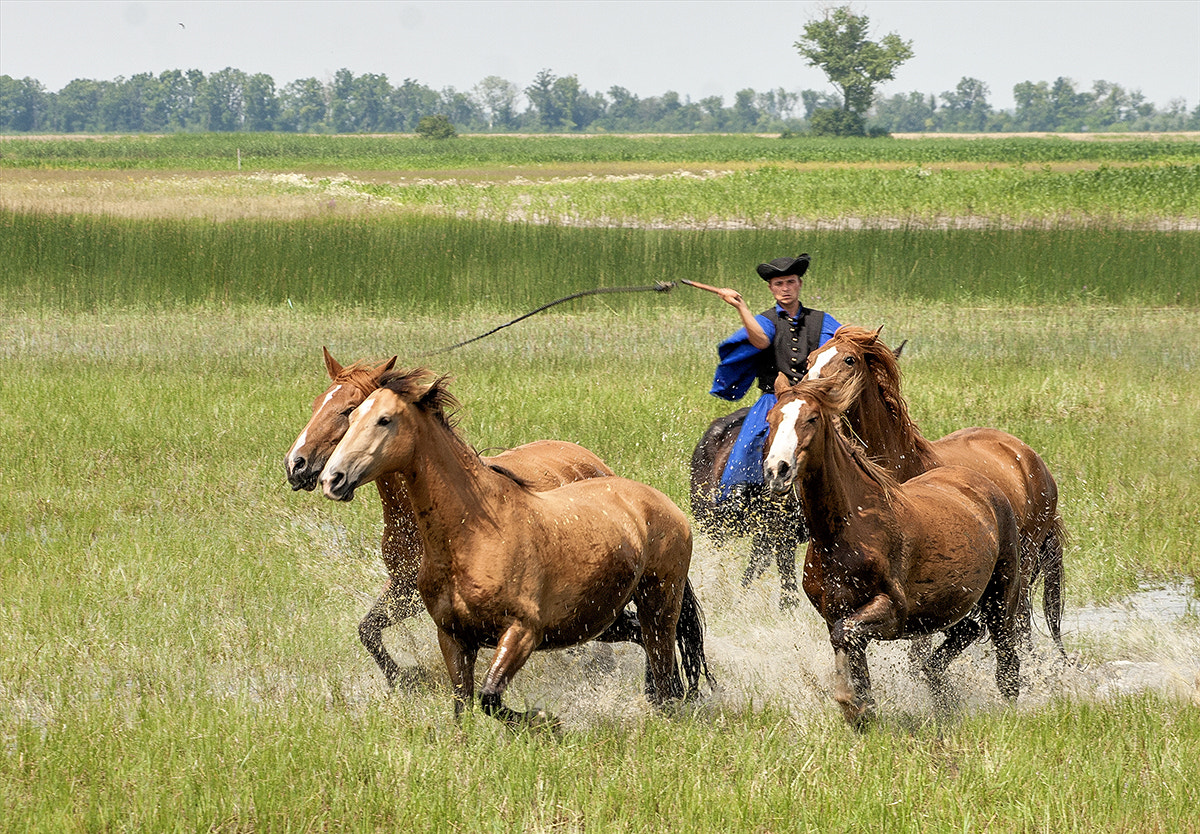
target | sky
[{"x": 696, "y": 48}]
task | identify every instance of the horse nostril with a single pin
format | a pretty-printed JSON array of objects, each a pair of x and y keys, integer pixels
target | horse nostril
[{"x": 298, "y": 463}]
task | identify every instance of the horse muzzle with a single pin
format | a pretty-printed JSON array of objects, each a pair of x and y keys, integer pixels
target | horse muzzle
[
  {"x": 336, "y": 486},
  {"x": 779, "y": 476}
]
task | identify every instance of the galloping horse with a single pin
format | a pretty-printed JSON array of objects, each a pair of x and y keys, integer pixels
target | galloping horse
[
  {"x": 544, "y": 464},
  {"x": 515, "y": 569},
  {"x": 775, "y": 523},
  {"x": 878, "y": 415},
  {"x": 889, "y": 560}
]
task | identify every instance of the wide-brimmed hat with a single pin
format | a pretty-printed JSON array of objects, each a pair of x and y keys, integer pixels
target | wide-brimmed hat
[{"x": 784, "y": 266}]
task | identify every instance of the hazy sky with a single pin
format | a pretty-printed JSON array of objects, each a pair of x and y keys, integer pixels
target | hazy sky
[{"x": 697, "y": 48}]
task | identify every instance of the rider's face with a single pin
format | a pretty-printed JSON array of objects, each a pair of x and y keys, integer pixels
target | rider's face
[{"x": 786, "y": 290}]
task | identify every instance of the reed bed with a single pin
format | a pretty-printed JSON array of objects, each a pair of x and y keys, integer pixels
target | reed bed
[{"x": 84, "y": 262}]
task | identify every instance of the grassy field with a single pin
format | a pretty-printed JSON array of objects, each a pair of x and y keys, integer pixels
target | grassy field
[{"x": 180, "y": 628}]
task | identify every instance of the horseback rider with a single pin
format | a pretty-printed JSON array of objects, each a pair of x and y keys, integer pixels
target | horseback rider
[{"x": 777, "y": 339}]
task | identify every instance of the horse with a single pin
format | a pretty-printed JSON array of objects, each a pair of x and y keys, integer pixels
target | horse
[
  {"x": 889, "y": 560},
  {"x": 543, "y": 464},
  {"x": 775, "y": 524},
  {"x": 856, "y": 358},
  {"x": 514, "y": 569}
]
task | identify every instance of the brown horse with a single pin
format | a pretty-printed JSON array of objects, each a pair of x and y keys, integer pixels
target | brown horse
[
  {"x": 775, "y": 524},
  {"x": 887, "y": 560},
  {"x": 511, "y": 568},
  {"x": 543, "y": 464},
  {"x": 879, "y": 418}
]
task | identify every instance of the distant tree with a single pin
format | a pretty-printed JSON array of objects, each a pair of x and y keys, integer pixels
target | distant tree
[
  {"x": 497, "y": 99},
  {"x": 906, "y": 113},
  {"x": 745, "y": 110},
  {"x": 838, "y": 45},
  {"x": 1033, "y": 110},
  {"x": 221, "y": 101},
  {"x": 412, "y": 100},
  {"x": 24, "y": 104},
  {"x": 262, "y": 105},
  {"x": 302, "y": 106},
  {"x": 77, "y": 106},
  {"x": 437, "y": 126},
  {"x": 966, "y": 109},
  {"x": 545, "y": 103},
  {"x": 179, "y": 90}
]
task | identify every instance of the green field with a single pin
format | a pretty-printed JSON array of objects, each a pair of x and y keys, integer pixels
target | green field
[{"x": 180, "y": 628}]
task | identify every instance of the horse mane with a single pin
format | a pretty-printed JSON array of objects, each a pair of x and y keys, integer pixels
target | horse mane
[
  {"x": 433, "y": 397},
  {"x": 362, "y": 375},
  {"x": 885, "y": 369},
  {"x": 830, "y": 399}
]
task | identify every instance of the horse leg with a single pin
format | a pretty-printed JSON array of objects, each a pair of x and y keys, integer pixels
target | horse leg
[
  {"x": 787, "y": 532},
  {"x": 852, "y": 683},
  {"x": 390, "y": 608},
  {"x": 659, "y": 602},
  {"x": 999, "y": 607},
  {"x": 627, "y": 628},
  {"x": 960, "y": 635},
  {"x": 876, "y": 620},
  {"x": 460, "y": 663},
  {"x": 515, "y": 646}
]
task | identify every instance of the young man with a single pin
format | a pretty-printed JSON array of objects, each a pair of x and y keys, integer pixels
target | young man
[{"x": 778, "y": 339}]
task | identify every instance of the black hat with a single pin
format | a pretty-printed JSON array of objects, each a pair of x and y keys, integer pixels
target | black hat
[{"x": 784, "y": 266}]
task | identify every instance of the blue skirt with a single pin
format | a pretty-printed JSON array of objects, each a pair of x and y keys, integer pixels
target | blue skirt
[{"x": 745, "y": 464}]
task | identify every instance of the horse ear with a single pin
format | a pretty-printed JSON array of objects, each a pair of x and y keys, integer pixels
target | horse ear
[
  {"x": 388, "y": 365},
  {"x": 331, "y": 364},
  {"x": 782, "y": 384},
  {"x": 896, "y": 353},
  {"x": 875, "y": 335}
]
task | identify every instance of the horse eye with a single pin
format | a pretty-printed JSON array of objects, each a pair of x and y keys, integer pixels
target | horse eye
[
  {"x": 383, "y": 421},
  {"x": 849, "y": 360},
  {"x": 348, "y": 411}
]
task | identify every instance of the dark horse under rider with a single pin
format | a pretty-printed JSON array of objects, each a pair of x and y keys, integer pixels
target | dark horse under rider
[{"x": 776, "y": 340}]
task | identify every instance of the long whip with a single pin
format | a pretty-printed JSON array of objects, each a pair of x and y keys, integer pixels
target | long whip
[{"x": 660, "y": 286}]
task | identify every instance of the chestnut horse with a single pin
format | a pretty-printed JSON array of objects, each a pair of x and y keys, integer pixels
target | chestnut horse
[
  {"x": 543, "y": 465},
  {"x": 879, "y": 418},
  {"x": 775, "y": 524},
  {"x": 514, "y": 569},
  {"x": 889, "y": 560}
]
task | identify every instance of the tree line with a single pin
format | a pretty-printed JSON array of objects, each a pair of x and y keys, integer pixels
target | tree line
[{"x": 232, "y": 100}]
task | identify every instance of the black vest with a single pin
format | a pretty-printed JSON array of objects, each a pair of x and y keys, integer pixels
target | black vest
[{"x": 794, "y": 341}]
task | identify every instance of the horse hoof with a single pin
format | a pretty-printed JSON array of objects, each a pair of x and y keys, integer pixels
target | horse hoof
[
  {"x": 541, "y": 721},
  {"x": 789, "y": 601}
]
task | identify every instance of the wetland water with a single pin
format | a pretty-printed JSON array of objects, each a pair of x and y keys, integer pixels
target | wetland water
[{"x": 764, "y": 656}]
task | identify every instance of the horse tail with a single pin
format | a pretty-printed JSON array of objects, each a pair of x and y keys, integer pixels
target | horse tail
[
  {"x": 1051, "y": 558},
  {"x": 689, "y": 636}
]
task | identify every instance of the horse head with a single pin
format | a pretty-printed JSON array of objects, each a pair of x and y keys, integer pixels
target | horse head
[
  {"x": 330, "y": 418},
  {"x": 382, "y": 431},
  {"x": 799, "y": 424}
]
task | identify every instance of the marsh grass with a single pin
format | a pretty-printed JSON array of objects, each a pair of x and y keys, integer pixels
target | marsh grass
[
  {"x": 84, "y": 262},
  {"x": 180, "y": 628}
]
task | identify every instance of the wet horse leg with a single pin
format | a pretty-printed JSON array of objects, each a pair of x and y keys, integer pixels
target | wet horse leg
[
  {"x": 513, "y": 650},
  {"x": 390, "y": 608},
  {"x": 849, "y": 636},
  {"x": 460, "y": 663},
  {"x": 960, "y": 635}
]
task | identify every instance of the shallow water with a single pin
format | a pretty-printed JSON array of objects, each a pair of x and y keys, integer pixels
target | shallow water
[{"x": 761, "y": 655}]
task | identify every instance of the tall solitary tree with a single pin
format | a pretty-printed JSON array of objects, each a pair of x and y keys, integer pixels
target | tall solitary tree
[{"x": 838, "y": 44}]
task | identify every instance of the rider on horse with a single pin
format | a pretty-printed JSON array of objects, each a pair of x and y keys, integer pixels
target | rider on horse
[{"x": 778, "y": 339}]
